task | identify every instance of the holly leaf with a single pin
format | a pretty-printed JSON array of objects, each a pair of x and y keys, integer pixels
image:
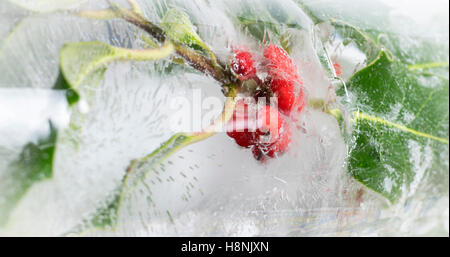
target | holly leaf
[
  {"x": 86, "y": 62},
  {"x": 352, "y": 34},
  {"x": 398, "y": 101},
  {"x": 81, "y": 64},
  {"x": 269, "y": 21},
  {"x": 107, "y": 215},
  {"x": 400, "y": 126},
  {"x": 179, "y": 28},
  {"x": 33, "y": 164}
]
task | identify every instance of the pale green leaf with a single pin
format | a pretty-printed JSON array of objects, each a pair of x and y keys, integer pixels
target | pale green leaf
[
  {"x": 179, "y": 28},
  {"x": 81, "y": 61}
]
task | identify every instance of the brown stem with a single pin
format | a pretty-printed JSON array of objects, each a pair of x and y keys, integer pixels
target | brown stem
[
  {"x": 139, "y": 21},
  {"x": 203, "y": 64},
  {"x": 194, "y": 59}
]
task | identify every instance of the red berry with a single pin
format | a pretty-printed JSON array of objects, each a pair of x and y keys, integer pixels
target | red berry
[
  {"x": 244, "y": 139},
  {"x": 262, "y": 152},
  {"x": 239, "y": 127},
  {"x": 283, "y": 72},
  {"x": 268, "y": 135},
  {"x": 337, "y": 69},
  {"x": 269, "y": 122},
  {"x": 282, "y": 144},
  {"x": 243, "y": 64},
  {"x": 300, "y": 102},
  {"x": 280, "y": 64},
  {"x": 284, "y": 90}
]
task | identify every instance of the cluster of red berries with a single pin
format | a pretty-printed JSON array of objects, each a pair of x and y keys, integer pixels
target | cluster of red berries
[{"x": 266, "y": 129}]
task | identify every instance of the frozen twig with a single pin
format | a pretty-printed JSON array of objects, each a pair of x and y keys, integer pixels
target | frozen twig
[{"x": 135, "y": 6}]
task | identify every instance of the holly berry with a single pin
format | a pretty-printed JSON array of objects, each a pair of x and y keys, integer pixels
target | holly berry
[
  {"x": 269, "y": 122},
  {"x": 243, "y": 139},
  {"x": 269, "y": 135},
  {"x": 272, "y": 136},
  {"x": 282, "y": 144},
  {"x": 284, "y": 90},
  {"x": 262, "y": 152},
  {"x": 300, "y": 102},
  {"x": 280, "y": 65},
  {"x": 283, "y": 73},
  {"x": 239, "y": 127},
  {"x": 337, "y": 69},
  {"x": 243, "y": 64}
]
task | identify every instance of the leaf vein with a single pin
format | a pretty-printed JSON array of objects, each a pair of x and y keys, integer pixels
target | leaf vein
[{"x": 363, "y": 116}]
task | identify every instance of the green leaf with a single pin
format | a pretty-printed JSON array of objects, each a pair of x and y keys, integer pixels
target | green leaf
[
  {"x": 410, "y": 40},
  {"x": 179, "y": 28},
  {"x": 353, "y": 34},
  {"x": 419, "y": 53},
  {"x": 80, "y": 64},
  {"x": 47, "y": 5},
  {"x": 268, "y": 21},
  {"x": 21, "y": 67},
  {"x": 400, "y": 119},
  {"x": 259, "y": 28},
  {"x": 33, "y": 165},
  {"x": 106, "y": 217},
  {"x": 61, "y": 84},
  {"x": 86, "y": 61},
  {"x": 11, "y": 15},
  {"x": 399, "y": 101}
]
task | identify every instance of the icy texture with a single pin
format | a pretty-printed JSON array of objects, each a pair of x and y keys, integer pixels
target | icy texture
[
  {"x": 212, "y": 188},
  {"x": 47, "y": 5},
  {"x": 10, "y": 15}
]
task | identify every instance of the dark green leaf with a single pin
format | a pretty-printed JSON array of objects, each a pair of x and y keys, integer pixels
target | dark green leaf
[
  {"x": 33, "y": 165},
  {"x": 62, "y": 84},
  {"x": 400, "y": 117}
]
